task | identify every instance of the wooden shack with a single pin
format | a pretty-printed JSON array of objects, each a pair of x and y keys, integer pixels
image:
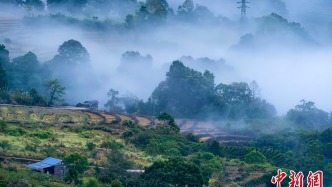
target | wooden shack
[{"x": 49, "y": 165}]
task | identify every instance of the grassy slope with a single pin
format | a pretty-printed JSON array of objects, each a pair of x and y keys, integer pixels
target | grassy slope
[{"x": 69, "y": 131}]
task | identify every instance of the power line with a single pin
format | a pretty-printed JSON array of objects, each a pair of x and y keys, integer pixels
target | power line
[{"x": 243, "y": 8}]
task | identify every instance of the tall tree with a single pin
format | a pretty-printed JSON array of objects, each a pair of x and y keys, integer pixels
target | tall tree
[
  {"x": 24, "y": 72},
  {"x": 113, "y": 103},
  {"x": 3, "y": 78},
  {"x": 307, "y": 115},
  {"x": 4, "y": 56},
  {"x": 35, "y": 4},
  {"x": 232, "y": 100},
  {"x": 4, "y": 63},
  {"x": 55, "y": 91},
  {"x": 186, "y": 9},
  {"x": 72, "y": 52},
  {"x": 185, "y": 92}
]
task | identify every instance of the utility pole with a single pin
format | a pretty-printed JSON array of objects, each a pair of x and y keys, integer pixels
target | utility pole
[{"x": 243, "y": 6}]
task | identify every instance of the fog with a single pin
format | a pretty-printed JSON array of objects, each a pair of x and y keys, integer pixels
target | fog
[{"x": 287, "y": 66}]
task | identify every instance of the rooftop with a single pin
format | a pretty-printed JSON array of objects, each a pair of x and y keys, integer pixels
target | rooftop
[{"x": 48, "y": 162}]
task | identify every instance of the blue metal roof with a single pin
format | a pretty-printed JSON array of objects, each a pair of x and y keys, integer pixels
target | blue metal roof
[{"x": 48, "y": 162}]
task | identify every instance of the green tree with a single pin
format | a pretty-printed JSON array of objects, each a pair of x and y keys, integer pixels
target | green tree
[
  {"x": 3, "y": 125},
  {"x": 232, "y": 100},
  {"x": 113, "y": 103},
  {"x": 4, "y": 144},
  {"x": 116, "y": 183},
  {"x": 37, "y": 100},
  {"x": 55, "y": 91},
  {"x": 35, "y": 4},
  {"x": 72, "y": 52},
  {"x": 24, "y": 72},
  {"x": 184, "y": 93},
  {"x": 91, "y": 146},
  {"x": 215, "y": 148},
  {"x": 4, "y": 56},
  {"x": 76, "y": 165},
  {"x": 3, "y": 78},
  {"x": 186, "y": 10},
  {"x": 91, "y": 182},
  {"x": 255, "y": 157},
  {"x": 4, "y": 63},
  {"x": 307, "y": 115},
  {"x": 328, "y": 168},
  {"x": 168, "y": 123},
  {"x": 174, "y": 172}
]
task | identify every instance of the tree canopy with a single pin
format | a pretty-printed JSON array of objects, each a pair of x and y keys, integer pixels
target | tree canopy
[
  {"x": 175, "y": 172},
  {"x": 307, "y": 115},
  {"x": 55, "y": 91}
]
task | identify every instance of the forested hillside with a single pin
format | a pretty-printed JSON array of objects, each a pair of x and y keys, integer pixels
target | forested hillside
[{"x": 165, "y": 93}]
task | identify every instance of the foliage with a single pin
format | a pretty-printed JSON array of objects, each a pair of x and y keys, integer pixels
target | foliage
[
  {"x": 42, "y": 134},
  {"x": 167, "y": 124},
  {"x": 255, "y": 157},
  {"x": 55, "y": 91},
  {"x": 3, "y": 125},
  {"x": 208, "y": 163},
  {"x": 72, "y": 52},
  {"x": 91, "y": 146},
  {"x": 25, "y": 72},
  {"x": 184, "y": 92},
  {"x": 328, "y": 168},
  {"x": 4, "y": 62},
  {"x": 116, "y": 183},
  {"x": 3, "y": 78},
  {"x": 5, "y": 145},
  {"x": 308, "y": 116},
  {"x": 91, "y": 182},
  {"x": 215, "y": 148},
  {"x": 76, "y": 165},
  {"x": 15, "y": 131},
  {"x": 175, "y": 172},
  {"x": 113, "y": 103}
]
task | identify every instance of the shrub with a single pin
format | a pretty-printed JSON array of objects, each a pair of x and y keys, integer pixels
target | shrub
[
  {"x": 129, "y": 123},
  {"x": 3, "y": 125},
  {"x": 91, "y": 182},
  {"x": 15, "y": 131},
  {"x": 114, "y": 145},
  {"x": 4, "y": 144},
  {"x": 41, "y": 134},
  {"x": 86, "y": 134},
  {"x": 116, "y": 183},
  {"x": 255, "y": 157},
  {"x": 91, "y": 146}
]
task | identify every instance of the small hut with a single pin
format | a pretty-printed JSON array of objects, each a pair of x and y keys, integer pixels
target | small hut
[{"x": 49, "y": 166}]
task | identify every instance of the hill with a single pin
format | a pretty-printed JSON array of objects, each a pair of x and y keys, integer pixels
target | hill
[{"x": 114, "y": 142}]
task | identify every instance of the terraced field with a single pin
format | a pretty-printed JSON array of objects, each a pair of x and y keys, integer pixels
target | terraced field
[{"x": 72, "y": 115}]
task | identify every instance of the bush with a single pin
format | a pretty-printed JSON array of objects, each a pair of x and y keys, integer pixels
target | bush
[
  {"x": 91, "y": 146},
  {"x": 3, "y": 125},
  {"x": 129, "y": 123},
  {"x": 41, "y": 134},
  {"x": 91, "y": 182},
  {"x": 4, "y": 144},
  {"x": 114, "y": 145},
  {"x": 15, "y": 131},
  {"x": 255, "y": 157},
  {"x": 116, "y": 183},
  {"x": 86, "y": 134}
]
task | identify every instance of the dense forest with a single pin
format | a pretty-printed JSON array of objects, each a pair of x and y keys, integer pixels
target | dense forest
[{"x": 188, "y": 86}]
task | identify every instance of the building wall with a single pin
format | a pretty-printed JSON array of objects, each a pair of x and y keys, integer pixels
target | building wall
[{"x": 59, "y": 169}]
